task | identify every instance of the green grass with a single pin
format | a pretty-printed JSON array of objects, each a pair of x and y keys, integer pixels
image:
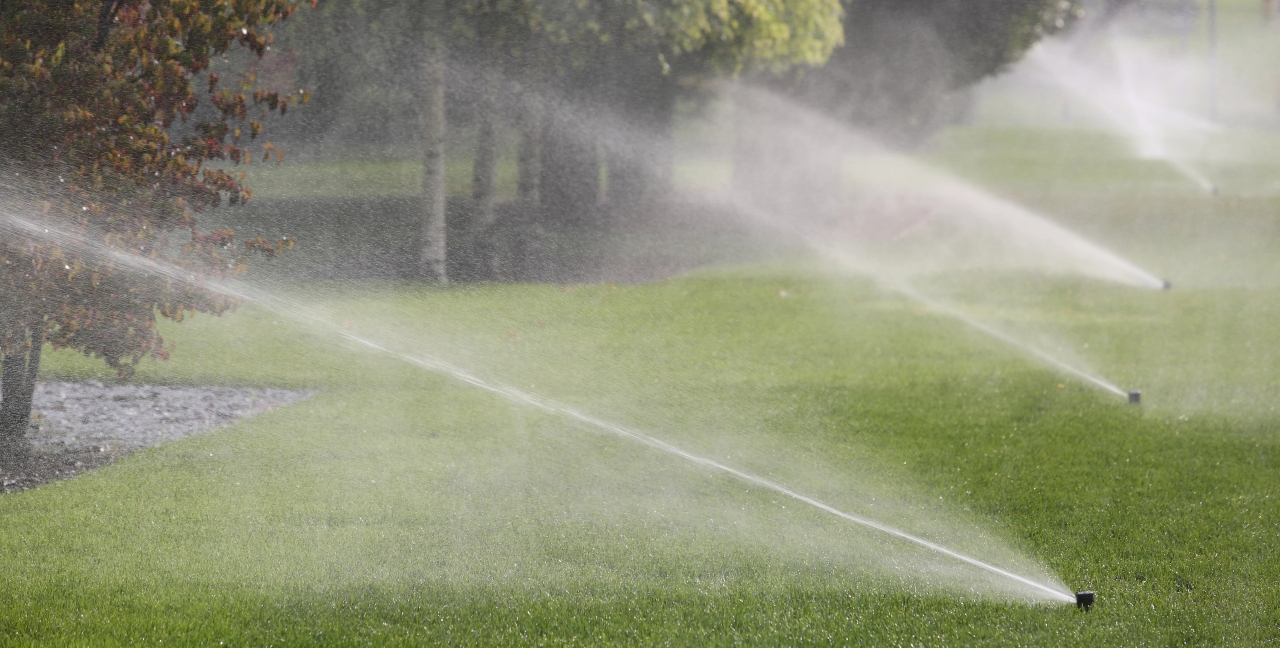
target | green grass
[
  {"x": 398, "y": 506},
  {"x": 367, "y": 178},
  {"x": 402, "y": 507}
]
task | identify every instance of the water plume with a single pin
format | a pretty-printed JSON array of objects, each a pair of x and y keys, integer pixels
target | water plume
[
  {"x": 1037, "y": 589},
  {"x": 1132, "y": 100},
  {"x": 1032, "y": 588},
  {"x": 849, "y": 261},
  {"x": 953, "y": 312},
  {"x": 908, "y": 219}
]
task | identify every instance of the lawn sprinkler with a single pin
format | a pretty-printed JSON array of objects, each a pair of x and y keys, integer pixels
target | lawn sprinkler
[
  {"x": 1166, "y": 284},
  {"x": 1084, "y": 600},
  {"x": 1135, "y": 398}
]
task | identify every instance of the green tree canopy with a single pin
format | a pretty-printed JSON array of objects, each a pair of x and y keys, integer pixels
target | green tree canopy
[
  {"x": 723, "y": 36},
  {"x": 906, "y": 63}
]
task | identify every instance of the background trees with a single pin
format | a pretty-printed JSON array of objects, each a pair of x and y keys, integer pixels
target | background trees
[
  {"x": 95, "y": 142},
  {"x": 907, "y": 63},
  {"x": 103, "y": 132},
  {"x": 600, "y": 81},
  {"x": 590, "y": 87}
]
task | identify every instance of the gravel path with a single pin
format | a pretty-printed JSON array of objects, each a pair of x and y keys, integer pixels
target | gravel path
[{"x": 79, "y": 426}]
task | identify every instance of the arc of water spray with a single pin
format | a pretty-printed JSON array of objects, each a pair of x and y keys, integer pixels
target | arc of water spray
[
  {"x": 1007, "y": 339},
  {"x": 287, "y": 308},
  {"x": 907, "y": 291},
  {"x": 1054, "y": 243},
  {"x": 902, "y": 288},
  {"x": 996, "y": 333},
  {"x": 1143, "y": 122},
  {"x": 1035, "y": 231},
  {"x": 560, "y": 409}
]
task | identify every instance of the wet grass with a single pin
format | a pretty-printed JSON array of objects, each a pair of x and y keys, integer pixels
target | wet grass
[{"x": 399, "y": 506}]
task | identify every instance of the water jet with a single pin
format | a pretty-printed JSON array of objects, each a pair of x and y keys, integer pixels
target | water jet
[
  {"x": 1141, "y": 111},
  {"x": 285, "y": 306}
]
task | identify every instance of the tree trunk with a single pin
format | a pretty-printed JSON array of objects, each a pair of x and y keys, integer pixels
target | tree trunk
[
  {"x": 640, "y": 158},
  {"x": 528, "y": 236},
  {"x": 484, "y": 170},
  {"x": 530, "y": 156},
  {"x": 570, "y": 184},
  {"x": 17, "y": 387},
  {"x": 432, "y": 253}
]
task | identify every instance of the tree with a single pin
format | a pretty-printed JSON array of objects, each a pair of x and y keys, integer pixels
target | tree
[
  {"x": 906, "y": 59},
  {"x": 499, "y": 33},
  {"x": 358, "y": 54},
  {"x": 628, "y": 60},
  {"x": 100, "y": 141},
  {"x": 434, "y": 52},
  {"x": 563, "y": 72}
]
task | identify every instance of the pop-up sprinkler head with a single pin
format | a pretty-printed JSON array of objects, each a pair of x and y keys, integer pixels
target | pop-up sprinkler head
[
  {"x": 1084, "y": 600},
  {"x": 1166, "y": 284},
  {"x": 1135, "y": 398}
]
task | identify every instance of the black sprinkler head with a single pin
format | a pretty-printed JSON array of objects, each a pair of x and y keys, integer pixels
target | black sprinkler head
[
  {"x": 1135, "y": 398},
  {"x": 1084, "y": 600},
  {"x": 1166, "y": 284}
]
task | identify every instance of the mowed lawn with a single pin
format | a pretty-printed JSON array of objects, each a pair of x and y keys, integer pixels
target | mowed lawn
[{"x": 399, "y": 506}]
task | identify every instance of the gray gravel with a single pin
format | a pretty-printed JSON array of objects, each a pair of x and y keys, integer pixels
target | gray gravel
[
  {"x": 79, "y": 426},
  {"x": 138, "y": 416}
]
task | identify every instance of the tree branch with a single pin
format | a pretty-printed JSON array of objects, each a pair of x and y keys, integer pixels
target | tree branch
[{"x": 105, "y": 17}]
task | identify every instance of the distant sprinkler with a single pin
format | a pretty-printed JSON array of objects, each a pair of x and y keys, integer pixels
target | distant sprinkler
[
  {"x": 1084, "y": 600},
  {"x": 1213, "y": 190},
  {"x": 1135, "y": 398},
  {"x": 1166, "y": 284}
]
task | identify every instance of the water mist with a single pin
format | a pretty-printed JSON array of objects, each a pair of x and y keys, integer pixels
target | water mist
[
  {"x": 1133, "y": 101},
  {"x": 911, "y": 220},
  {"x": 1032, "y": 588}
]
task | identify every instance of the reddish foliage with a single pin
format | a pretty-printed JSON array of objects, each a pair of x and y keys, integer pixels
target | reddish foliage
[{"x": 90, "y": 91}]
